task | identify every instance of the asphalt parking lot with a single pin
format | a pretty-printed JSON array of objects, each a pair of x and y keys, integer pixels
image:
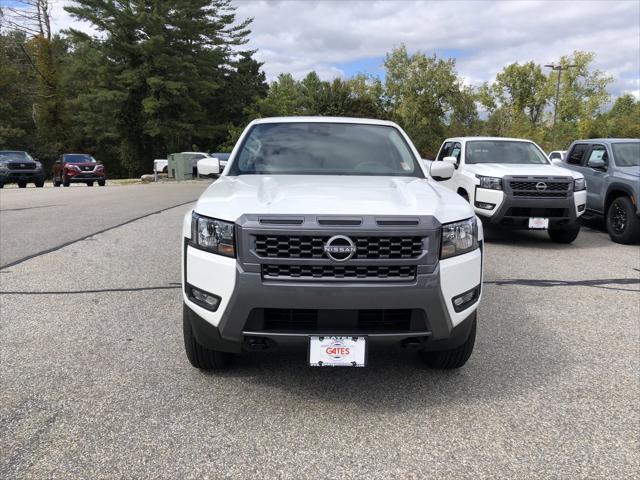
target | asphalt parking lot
[{"x": 94, "y": 382}]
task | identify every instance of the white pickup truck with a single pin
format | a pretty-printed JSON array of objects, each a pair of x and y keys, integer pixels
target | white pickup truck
[
  {"x": 331, "y": 233},
  {"x": 511, "y": 183}
]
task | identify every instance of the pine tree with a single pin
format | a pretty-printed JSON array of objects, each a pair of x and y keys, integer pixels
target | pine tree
[{"x": 163, "y": 65}]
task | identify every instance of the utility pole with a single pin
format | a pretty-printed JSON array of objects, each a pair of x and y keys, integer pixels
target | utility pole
[{"x": 559, "y": 69}]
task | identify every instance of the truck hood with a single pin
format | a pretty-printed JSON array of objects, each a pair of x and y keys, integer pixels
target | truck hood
[
  {"x": 230, "y": 197},
  {"x": 504, "y": 169}
]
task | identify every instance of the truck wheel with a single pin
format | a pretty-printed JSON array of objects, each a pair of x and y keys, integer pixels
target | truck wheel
[
  {"x": 89, "y": 184},
  {"x": 22, "y": 185},
  {"x": 56, "y": 183},
  {"x": 199, "y": 356},
  {"x": 65, "y": 182},
  {"x": 454, "y": 358},
  {"x": 564, "y": 235},
  {"x": 623, "y": 224},
  {"x": 101, "y": 182},
  {"x": 39, "y": 184}
]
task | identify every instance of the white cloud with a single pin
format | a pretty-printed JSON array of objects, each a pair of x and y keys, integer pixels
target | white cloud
[
  {"x": 299, "y": 36},
  {"x": 486, "y": 36},
  {"x": 62, "y": 20}
]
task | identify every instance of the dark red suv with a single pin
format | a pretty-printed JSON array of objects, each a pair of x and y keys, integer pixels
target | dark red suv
[{"x": 78, "y": 168}]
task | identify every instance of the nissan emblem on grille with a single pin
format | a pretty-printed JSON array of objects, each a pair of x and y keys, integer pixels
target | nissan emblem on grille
[
  {"x": 541, "y": 186},
  {"x": 340, "y": 248}
]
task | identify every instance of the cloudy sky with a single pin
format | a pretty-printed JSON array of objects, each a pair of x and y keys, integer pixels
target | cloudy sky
[{"x": 345, "y": 37}]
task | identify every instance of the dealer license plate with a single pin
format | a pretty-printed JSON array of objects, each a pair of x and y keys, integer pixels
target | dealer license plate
[
  {"x": 337, "y": 351},
  {"x": 538, "y": 223}
]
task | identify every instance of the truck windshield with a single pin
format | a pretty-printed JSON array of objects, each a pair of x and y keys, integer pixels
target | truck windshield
[
  {"x": 627, "y": 154},
  {"x": 503, "y": 151},
  {"x": 325, "y": 149},
  {"x": 78, "y": 158},
  {"x": 14, "y": 156}
]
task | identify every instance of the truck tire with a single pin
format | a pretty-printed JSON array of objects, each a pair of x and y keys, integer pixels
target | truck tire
[
  {"x": 564, "y": 235},
  {"x": 622, "y": 222},
  {"x": 65, "y": 182},
  {"x": 454, "y": 358},
  {"x": 39, "y": 184},
  {"x": 22, "y": 184},
  {"x": 199, "y": 356},
  {"x": 89, "y": 184},
  {"x": 101, "y": 183}
]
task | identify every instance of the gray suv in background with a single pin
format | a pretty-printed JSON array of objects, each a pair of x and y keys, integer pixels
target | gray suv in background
[
  {"x": 21, "y": 168},
  {"x": 611, "y": 167}
]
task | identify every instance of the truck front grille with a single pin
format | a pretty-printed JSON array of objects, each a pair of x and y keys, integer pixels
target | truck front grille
[
  {"x": 22, "y": 166},
  {"x": 307, "y": 246},
  {"x": 535, "y": 189},
  {"x": 339, "y": 272}
]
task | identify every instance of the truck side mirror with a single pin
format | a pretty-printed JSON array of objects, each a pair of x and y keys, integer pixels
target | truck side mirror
[
  {"x": 452, "y": 160},
  {"x": 557, "y": 162},
  {"x": 597, "y": 163},
  {"x": 208, "y": 166},
  {"x": 441, "y": 170}
]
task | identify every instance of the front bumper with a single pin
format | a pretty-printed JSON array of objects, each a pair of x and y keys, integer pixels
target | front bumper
[
  {"x": 246, "y": 295},
  {"x": 21, "y": 176},
  {"x": 86, "y": 177},
  {"x": 513, "y": 211}
]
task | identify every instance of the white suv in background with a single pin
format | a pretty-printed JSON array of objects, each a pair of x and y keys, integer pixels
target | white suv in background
[{"x": 511, "y": 183}]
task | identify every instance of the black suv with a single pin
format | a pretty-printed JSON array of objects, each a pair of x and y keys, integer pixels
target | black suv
[{"x": 21, "y": 168}]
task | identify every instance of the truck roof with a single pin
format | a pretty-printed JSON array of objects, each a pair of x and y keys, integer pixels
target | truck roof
[
  {"x": 364, "y": 121},
  {"x": 609, "y": 140},
  {"x": 489, "y": 138}
]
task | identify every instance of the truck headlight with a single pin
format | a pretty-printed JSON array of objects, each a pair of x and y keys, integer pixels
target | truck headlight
[
  {"x": 492, "y": 183},
  {"x": 458, "y": 238},
  {"x": 4, "y": 166},
  {"x": 579, "y": 184},
  {"x": 215, "y": 236}
]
